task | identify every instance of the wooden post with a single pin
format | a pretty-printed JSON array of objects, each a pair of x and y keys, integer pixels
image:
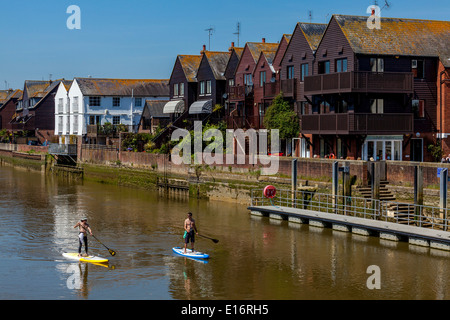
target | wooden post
[
  {"x": 443, "y": 194},
  {"x": 294, "y": 181},
  {"x": 335, "y": 185},
  {"x": 418, "y": 191}
]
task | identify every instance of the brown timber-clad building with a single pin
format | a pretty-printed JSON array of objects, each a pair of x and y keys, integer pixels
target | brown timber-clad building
[{"x": 374, "y": 92}]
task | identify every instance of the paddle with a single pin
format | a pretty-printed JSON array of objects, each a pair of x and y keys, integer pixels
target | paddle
[
  {"x": 112, "y": 252},
  {"x": 214, "y": 240}
]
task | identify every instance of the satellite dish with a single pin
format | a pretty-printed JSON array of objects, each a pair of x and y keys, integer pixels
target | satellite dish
[{"x": 225, "y": 96}]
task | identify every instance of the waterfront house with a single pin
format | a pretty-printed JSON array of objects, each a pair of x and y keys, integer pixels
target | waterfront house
[
  {"x": 296, "y": 63},
  {"x": 266, "y": 77},
  {"x": 240, "y": 95},
  {"x": 211, "y": 83},
  {"x": 153, "y": 117},
  {"x": 230, "y": 69},
  {"x": 35, "y": 111},
  {"x": 374, "y": 91},
  {"x": 94, "y": 102},
  {"x": 8, "y": 107}
]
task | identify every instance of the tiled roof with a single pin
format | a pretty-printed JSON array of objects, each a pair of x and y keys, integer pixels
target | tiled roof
[
  {"x": 218, "y": 62},
  {"x": 190, "y": 64},
  {"x": 257, "y": 47},
  {"x": 398, "y": 36},
  {"x": 313, "y": 33},
  {"x": 123, "y": 87}
]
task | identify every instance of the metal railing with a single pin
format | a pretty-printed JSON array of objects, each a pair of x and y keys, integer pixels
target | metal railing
[{"x": 401, "y": 213}]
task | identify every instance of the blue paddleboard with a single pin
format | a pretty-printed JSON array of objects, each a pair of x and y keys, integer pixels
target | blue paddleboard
[{"x": 190, "y": 254}]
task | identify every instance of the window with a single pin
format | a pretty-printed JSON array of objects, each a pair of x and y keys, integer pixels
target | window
[
  {"x": 60, "y": 105},
  {"x": 377, "y": 64},
  {"x": 181, "y": 93},
  {"x": 94, "y": 101},
  {"x": 304, "y": 71},
  {"x": 60, "y": 125},
  {"x": 303, "y": 107},
  {"x": 230, "y": 82},
  {"x": 341, "y": 65},
  {"x": 376, "y": 105},
  {"x": 324, "y": 107},
  {"x": 116, "y": 120},
  {"x": 324, "y": 67},
  {"x": 262, "y": 78},
  {"x": 290, "y": 72},
  {"x": 138, "y": 102},
  {"x": 248, "y": 79},
  {"x": 418, "y": 69},
  {"x": 116, "y": 102},
  {"x": 208, "y": 86},
  {"x": 418, "y": 107},
  {"x": 202, "y": 88},
  {"x": 75, "y": 124},
  {"x": 94, "y": 120},
  {"x": 75, "y": 104},
  {"x": 175, "y": 89}
]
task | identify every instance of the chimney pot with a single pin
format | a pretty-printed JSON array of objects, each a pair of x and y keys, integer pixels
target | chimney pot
[
  {"x": 264, "y": 40},
  {"x": 232, "y": 44}
]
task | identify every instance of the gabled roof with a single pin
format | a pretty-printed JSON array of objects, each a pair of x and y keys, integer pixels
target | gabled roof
[
  {"x": 36, "y": 88},
  {"x": 398, "y": 36},
  {"x": 313, "y": 33},
  {"x": 190, "y": 64},
  {"x": 123, "y": 87},
  {"x": 256, "y": 48},
  {"x": 50, "y": 88},
  {"x": 14, "y": 94},
  {"x": 218, "y": 62},
  {"x": 155, "y": 108}
]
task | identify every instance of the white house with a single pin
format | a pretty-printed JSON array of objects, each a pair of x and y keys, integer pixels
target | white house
[{"x": 92, "y": 101}]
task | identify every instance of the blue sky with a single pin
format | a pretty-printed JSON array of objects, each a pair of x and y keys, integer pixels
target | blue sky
[{"x": 141, "y": 38}]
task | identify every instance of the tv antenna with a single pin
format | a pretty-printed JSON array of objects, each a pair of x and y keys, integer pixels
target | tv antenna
[
  {"x": 238, "y": 32},
  {"x": 210, "y": 32},
  {"x": 386, "y": 4},
  {"x": 310, "y": 16}
]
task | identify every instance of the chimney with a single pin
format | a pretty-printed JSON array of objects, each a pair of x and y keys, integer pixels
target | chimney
[
  {"x": 204, "y": 49},
  {"x": 231, "y": 48},
  {"x": 263, "y": 40}
]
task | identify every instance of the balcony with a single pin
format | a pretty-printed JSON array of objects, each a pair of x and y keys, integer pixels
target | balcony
[
  {"x": 245, "y": 122},
  {"x": 361, "y": 81},
  {"x": 238, "y": 93},
  {"x": 288, "y": 87},
  {"x": 271, "y": 89},
  {"x": 357, "y": 123}
]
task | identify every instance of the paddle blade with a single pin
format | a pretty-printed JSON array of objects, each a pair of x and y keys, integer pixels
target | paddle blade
[{"x": 112, "y": 252}]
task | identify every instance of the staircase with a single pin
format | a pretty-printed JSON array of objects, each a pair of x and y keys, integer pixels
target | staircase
[{"x": 402, "y": 213}]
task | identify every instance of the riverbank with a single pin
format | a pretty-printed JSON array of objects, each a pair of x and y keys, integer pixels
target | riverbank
[{"x": 226, "y": 182}]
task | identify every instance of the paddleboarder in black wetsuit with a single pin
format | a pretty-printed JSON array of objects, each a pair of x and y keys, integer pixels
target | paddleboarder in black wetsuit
[
  {"x": 82, "y": 236},
  {"x": 190, "y": 228}
]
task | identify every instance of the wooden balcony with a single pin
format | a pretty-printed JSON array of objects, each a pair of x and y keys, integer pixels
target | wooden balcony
[
  {"x": 361, "y": 81},
  {"x": 239, "y": 93},
  {"x": 357, "y": 123},
  {"x": 245, "y": 122},
  {"x": 271, "y": 89},
  {"x": 288, "y": 87}
]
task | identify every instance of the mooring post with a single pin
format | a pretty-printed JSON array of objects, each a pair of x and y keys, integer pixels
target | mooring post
[
  {"x": 418, "y": 191},
  {"x": 335, "y": 184},
  {"x": 443, "y": 195},
  {"x": 294, "y": 181},
  {"x": 375, "y": 184}
]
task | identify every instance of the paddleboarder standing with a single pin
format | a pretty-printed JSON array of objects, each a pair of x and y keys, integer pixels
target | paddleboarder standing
[
  {"x": 84, "y": 228},
  {"x": 191, "y": 230}
]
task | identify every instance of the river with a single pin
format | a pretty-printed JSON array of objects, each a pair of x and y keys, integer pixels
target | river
[{"x": 255, "y": 258}]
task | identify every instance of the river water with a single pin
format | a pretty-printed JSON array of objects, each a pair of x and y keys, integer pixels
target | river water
[{"x": 255, "y": 258}]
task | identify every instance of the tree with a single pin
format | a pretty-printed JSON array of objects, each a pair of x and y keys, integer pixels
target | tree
[{"x": 281, "y": 116}]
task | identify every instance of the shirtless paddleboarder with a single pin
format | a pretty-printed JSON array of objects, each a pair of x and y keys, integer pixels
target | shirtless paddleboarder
[
  {"x": 82, "y": 236},
  {"x": 190, "y": 228}
]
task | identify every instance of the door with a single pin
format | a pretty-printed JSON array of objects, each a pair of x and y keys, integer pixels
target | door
[{"x": 417, "y": 150}]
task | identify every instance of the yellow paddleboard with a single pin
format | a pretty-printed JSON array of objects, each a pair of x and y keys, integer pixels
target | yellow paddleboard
[{"x": 93, "y": 259}]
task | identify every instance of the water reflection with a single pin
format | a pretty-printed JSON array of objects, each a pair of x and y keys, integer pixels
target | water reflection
[{"x": 256, "y": 258}]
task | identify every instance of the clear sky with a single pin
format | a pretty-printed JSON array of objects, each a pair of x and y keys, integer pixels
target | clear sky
[{"x": 141, "y": 38}]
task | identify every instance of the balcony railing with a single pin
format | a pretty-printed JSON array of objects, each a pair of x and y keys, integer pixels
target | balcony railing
[
  {"x": 288, "y": 87},
  {"x": 240, "y": 92},
  {"x": 360, "y": 81},
  {"x": 357, "y": 123},
  {"x": 245, "y": 122},
  {"x": 271, "y": 89}
]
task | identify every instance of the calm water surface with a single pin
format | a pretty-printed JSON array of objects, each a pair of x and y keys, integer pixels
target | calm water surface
[{"x": 256, "y": 258}]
